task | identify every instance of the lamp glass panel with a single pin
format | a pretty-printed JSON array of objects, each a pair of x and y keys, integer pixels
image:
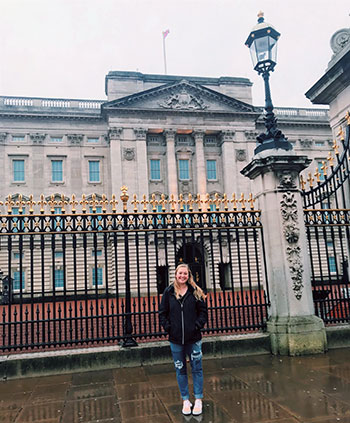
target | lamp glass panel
[
  {"x": 262, "y": 48},
  {"x": 273, "y": 49},
  {"x": 253, "y": 54}
]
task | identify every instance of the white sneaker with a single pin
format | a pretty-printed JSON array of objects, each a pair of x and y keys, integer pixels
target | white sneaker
[
  {"x": 197, "y": 409},
  {"x": 186, "y": 407}
]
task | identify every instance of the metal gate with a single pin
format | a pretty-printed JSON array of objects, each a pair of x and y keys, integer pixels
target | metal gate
[
  {"x": 327, "y": 219},
  {"x": 87, "y": 272}
]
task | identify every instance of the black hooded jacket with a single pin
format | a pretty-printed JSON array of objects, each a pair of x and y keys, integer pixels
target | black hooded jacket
[{"x": 184, "y": 319}]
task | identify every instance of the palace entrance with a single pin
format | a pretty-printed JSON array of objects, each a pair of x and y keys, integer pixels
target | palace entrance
[{"x": 192, "y": 255}]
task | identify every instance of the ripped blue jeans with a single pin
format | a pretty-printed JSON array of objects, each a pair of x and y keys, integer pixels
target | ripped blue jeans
[{"x": 194, "y": 352}]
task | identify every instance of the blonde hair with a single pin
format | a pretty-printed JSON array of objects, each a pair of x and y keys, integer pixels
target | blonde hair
[{"x": 198, "y": 292}]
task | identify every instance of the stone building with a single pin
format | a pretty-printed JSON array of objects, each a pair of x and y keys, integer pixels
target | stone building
[{"x": 153, "y": 133}]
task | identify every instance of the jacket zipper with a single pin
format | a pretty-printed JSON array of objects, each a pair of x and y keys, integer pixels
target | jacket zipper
[{"x": 183, "y": 324}]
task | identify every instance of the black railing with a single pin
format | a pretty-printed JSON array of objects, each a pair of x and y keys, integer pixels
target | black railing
[
  {"x": 75, "y": 279},
  {"x": 327, "y": 219},
  {"x": 329, "y": 252}
]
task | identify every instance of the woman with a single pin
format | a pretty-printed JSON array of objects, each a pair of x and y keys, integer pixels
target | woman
[{"x": 183, "y": 313}]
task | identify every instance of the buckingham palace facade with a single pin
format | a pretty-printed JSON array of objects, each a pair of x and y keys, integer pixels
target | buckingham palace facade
[
  {"x": 153, "y": 133},
  {"x": 160, "y": 136}
]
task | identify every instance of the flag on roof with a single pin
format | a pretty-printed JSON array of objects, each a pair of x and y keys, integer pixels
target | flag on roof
[{"x": 165, "y": 33}]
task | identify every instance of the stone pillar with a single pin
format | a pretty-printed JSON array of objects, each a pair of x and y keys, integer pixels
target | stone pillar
[
  {"x": 115, "y": 160},
  {"x": 142, "y": 162},
  {"x": 293, "y": 327},
  {"x": 200, "y": 164},
  {"x": 228, "y": 162},
  {"x": 171, "y": 161}
]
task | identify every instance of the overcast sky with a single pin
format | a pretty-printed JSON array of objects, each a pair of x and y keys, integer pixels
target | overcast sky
[{"x": 64, "y": 48}]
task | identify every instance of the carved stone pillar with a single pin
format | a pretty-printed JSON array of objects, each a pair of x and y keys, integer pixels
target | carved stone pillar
[
  {"x": 171, "y": 161},
  {"x": 142, "y": 161},
  {"x": 293, "y": 327},
  {"x": 114, "y": 135},
  {"x": 200, "y": 164},
  {"x": 228, "y": 161}
]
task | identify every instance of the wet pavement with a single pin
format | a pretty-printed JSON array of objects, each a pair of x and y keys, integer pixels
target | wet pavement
[{"x": 252, "y": 389}]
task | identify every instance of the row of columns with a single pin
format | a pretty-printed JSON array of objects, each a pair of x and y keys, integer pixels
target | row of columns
[{"x": 115, "y": 136}]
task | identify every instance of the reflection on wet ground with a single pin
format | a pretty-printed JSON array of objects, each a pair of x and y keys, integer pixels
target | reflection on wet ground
[{"x": 258, "y": 389}]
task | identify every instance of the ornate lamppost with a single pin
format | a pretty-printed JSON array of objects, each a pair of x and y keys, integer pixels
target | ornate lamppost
[{"x": 262, "y": 42}]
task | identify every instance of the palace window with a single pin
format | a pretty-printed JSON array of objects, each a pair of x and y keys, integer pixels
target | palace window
[
  {"x": 155, "y": 169},
  {"x": 94, "y": 171},
  {"x": 18, "y": 138},
  {"x": 59, "y": 278},
  {"x": 18, "y": 280},
  {"x": 18, "y": 171},
  {"x": 184, "y": 169},
  {"x": 97, "y": 276},
  {"x": 56, "y": 170},
  {"x": 93, "y": 140},
  {"x": 211, "y": 170},
  {"x": 56, "y": 139}
]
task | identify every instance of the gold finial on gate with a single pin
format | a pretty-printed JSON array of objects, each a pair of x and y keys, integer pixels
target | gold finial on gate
[
  {"x": 199, "y": 202},
  {"x": 324, "y": 168},
  {"x": 20, "y": 203},
  {"x": 251, "y": 201},
  {"x": 154, "y": 202},
  {"x": 335, "y": 147},
  {"x": 234, "y": 201},
  {"x": 317, "y": 174},
  {"x": 302, "y": 182},
  {"x": 181, "y": 202},
  {"x": 62, "y": 203},
  {"x": 31, "y": 203},
  {"x": 225, "y": 202},
  {"x": 114, "y": 203},
  {"x": 93, "y": 202},
  {"x": 190, "y": 202},
  {"x": 9, "y": 203},
  {"x": 330, "y": 159},
  {"x": 83, "y": 203},
  {"x": 135, "y": 202},
  {"x": 217, "y": 201},
  {"x": 208, "y": 201},
  {"x": 163, "y": 202},
  {"x": 42, "y": 203},
  {"x": 104, "y": 203},
  {"x": 341, "y": 133},
  {"x": 172, "y": 202},
  {"x": 52, "y": 203},
  {"x": 124, "y": 197},
  {"x": 144, "y": 202},
  {"x": 73, "y": 202},
  {"x": 242, "y": 200},
  {"x": 310, "y": 179}
]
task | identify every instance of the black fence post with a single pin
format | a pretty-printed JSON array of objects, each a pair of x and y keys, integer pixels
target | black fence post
[{"x": 128, "y": 340}]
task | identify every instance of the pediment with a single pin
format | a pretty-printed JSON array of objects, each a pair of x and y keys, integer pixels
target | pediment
[{"x": 183, "y": 96}]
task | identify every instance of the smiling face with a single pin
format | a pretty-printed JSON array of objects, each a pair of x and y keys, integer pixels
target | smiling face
[{"x": 182, "y": 275}]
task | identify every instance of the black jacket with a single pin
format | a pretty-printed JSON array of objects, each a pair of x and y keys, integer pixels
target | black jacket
[{"x": 182, "y": 320}]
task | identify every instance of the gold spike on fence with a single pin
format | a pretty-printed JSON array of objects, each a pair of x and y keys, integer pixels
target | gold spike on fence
[{"x": 94, "y": 203}]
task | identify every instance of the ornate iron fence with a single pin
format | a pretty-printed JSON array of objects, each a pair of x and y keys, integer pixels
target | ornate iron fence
[
  {"x": 92, "y": 272},
  {"x": 327, "y": 219}
]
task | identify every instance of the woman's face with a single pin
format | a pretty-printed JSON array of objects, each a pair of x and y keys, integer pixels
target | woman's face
[{"x": 182, "y": 275}]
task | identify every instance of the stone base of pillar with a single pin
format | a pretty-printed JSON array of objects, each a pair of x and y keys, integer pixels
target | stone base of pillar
[{"x": 297, "y": 335}]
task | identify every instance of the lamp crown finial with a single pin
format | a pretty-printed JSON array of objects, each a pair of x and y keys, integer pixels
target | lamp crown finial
[{"x": 261, "y": 16}]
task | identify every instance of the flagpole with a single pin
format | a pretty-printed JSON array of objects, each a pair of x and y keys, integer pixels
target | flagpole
[
  {"x": 164, "y": 55},
  {"x": 165, "y": 34}
]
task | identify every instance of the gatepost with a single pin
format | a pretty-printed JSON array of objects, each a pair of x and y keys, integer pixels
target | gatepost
[{"x": 293, "y": 327}]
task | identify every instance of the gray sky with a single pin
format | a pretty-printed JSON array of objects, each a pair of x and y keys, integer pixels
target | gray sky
[{"x": 64, "y": 48}]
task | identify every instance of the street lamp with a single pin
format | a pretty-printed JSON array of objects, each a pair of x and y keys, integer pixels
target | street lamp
[{"x": 262, "y": 42}]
